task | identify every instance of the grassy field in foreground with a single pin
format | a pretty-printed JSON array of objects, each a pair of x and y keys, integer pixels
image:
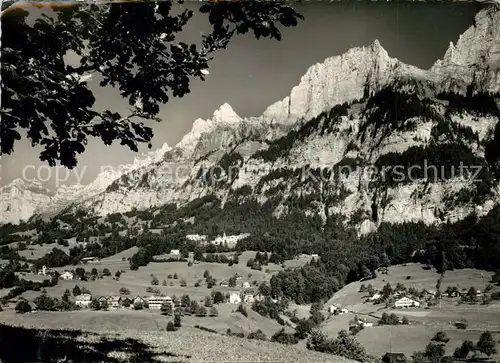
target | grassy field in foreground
[{"x": 134, "y": 345}]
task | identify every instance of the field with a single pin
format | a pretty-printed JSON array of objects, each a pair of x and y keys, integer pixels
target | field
[{"x": 420, "y": 279}]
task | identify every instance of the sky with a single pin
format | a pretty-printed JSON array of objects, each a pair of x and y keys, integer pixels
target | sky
[{"x": 252, "y": 74}]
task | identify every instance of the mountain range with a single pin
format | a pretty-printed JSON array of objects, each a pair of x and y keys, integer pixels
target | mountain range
[{"x": 325, "y": 146}]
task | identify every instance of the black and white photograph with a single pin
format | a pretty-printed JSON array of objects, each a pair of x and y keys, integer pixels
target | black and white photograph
[{"x": 250, "y": 181}]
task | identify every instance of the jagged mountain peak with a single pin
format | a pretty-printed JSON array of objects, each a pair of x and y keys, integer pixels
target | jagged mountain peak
[{"x": 377, "y": 48}]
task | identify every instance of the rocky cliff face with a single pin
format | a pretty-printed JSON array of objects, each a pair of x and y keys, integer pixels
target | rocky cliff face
[{"x": 360, "y": 111}]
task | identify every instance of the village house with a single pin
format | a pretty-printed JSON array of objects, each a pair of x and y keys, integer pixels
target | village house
[
  {"x": 229, "y": 240},
  {"x": 406, "y": 302},
  {"x": 234, "y": 297},
  {"x": 362, "y": 322},
  {"x": 259, "y": 297},
  {"x": 337, "y": 310},
  {"x": 224, "y": 283},
  {"x": 248, "y": 299},
  {"x": 175, "y": 252},
  {"x": 127, "y": 302},
  {"x": 428, "y": 293},
  {"x": 246, "y": 285},
  {"x": 66, "y": 275},
  {"x": 155, "y": 302},
  {"x": 138, "y": 300},
  {"x": 83, "y": 300}
]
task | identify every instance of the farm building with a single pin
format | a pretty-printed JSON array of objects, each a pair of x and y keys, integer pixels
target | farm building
[
  {"x": 259, "y": 297},
  {"x": 229, "y": 240},
  {"x": 67, "y": 275},
  {"x": 43, "y": 271},
  {"x": 196, "y": 237},
  {"x": 175, "y": 252},
  {"x": 103, "y": 299},
  {"x": 246, "y": 285},
  {"x": 127, "y": 301},
  {"x": 406, "y": 302}
]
